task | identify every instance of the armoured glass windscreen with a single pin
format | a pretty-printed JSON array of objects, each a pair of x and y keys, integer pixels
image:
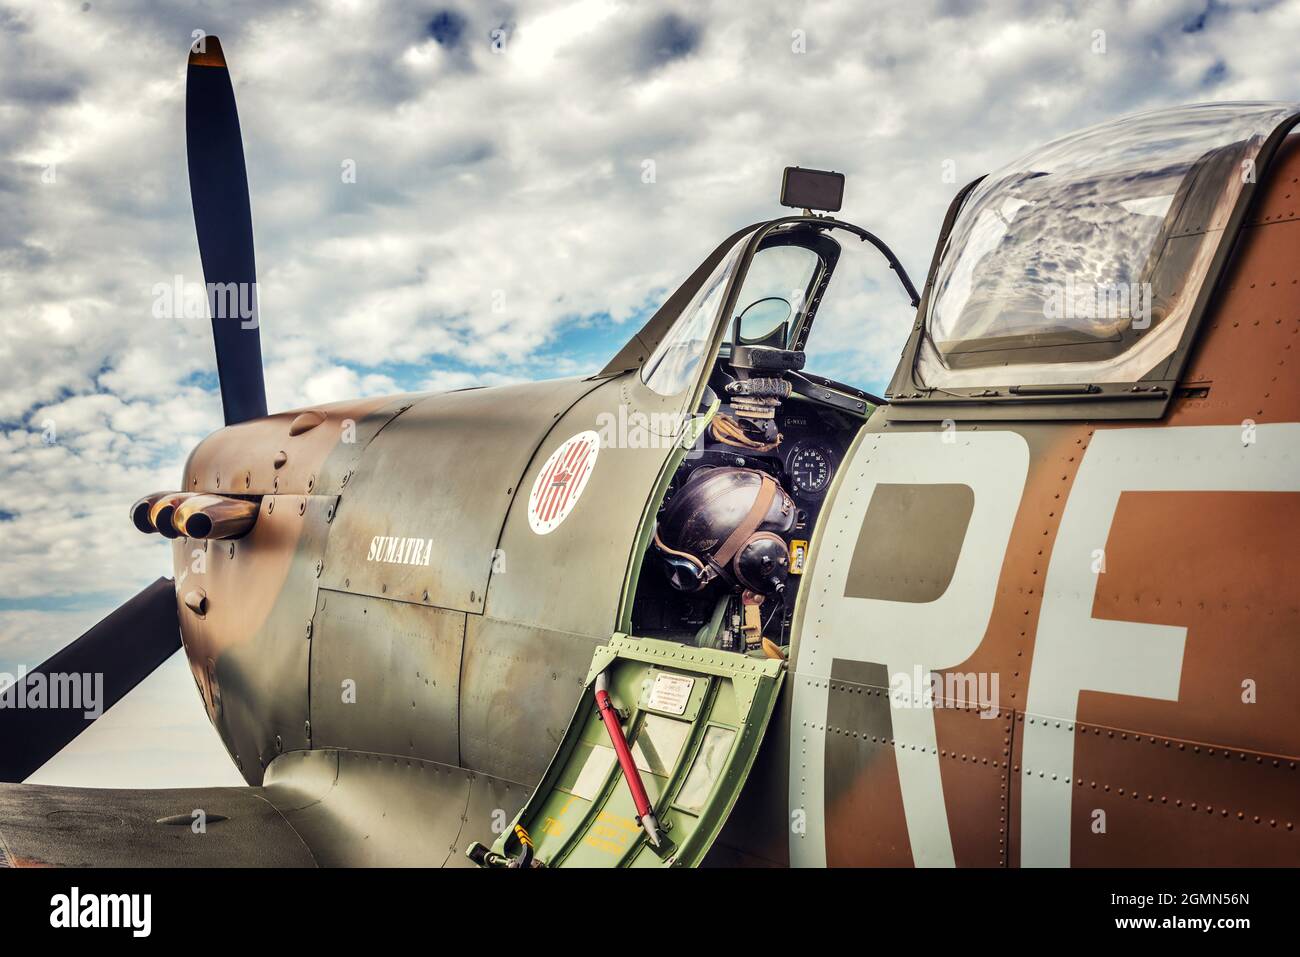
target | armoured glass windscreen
[
  {"x": 1080, "y": 262},
  {"x": 674, "y": 362},
  {"x": 778, "y": 272}
]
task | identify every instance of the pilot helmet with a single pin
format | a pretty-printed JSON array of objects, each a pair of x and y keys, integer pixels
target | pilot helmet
[{"x": 727, "y": 523}]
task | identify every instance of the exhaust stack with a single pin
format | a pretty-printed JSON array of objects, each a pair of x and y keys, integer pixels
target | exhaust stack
[
  {"x": 214, "y": 516},
  {"x": 141, "y": 510},
  {"x": 162, "y": 510}
]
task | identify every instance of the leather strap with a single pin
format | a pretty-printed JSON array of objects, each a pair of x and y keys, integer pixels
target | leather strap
[
  {"x": 659, "y": 542},
  {"x": 757, "y": 512}
]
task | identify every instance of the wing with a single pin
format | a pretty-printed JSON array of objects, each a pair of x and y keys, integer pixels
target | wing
[{"x": 43, "y": 826}]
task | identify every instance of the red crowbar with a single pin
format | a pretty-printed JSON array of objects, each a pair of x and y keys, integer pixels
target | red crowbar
[{"x": 645, "y": 813}]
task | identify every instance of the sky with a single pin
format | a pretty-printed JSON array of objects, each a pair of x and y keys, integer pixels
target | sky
[{"x": 449, "y": 194}]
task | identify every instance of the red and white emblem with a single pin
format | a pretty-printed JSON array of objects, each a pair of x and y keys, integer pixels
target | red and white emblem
[{"x": 560, "y": 483}]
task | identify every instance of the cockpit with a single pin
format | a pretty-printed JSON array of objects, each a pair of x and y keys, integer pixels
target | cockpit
[{"x": 732, "y": 531}]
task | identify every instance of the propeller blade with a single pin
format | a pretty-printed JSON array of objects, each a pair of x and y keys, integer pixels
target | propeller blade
[
  {"x": 123, "y": 649},
  {"x": 224, "y": 222}
]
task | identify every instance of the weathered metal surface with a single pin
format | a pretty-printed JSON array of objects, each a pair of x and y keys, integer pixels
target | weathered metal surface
[
  {"x": 355, "y": 809},
  {"x": 261, "y": 457},
  {"x": 385, "y": 676},
  {"x": 249, "y": 637},
  {"x": 439, "y": 481},
  {"x": 109, "y": 827},
  {"x": 519, "y": 686},
  {"x": 890, "y": 561},
  {"x": 864, "y": 805},
  {"x": 493, "y": 803},
  {"x": 249, "y": 649},
  {"x": 571, "y": 579}
]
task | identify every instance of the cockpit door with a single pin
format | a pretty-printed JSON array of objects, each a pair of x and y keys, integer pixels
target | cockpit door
[{"x": 693, "y": 718}]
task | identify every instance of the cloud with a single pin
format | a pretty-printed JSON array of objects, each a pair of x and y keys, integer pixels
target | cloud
[{"x": 503, "y": 222}]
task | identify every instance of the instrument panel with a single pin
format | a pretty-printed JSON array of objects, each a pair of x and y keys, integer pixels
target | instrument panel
[{"x": 811, "y": 450}]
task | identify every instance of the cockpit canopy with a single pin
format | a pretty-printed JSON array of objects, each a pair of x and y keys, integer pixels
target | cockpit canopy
[{"x": 1080, "y": 262}]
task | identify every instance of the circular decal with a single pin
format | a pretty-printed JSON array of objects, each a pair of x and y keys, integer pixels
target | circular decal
[{"x": 560, "y": 483}]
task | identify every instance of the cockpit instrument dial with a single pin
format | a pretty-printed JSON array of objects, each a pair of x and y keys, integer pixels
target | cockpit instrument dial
[{"x": 810, "y": 469}]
